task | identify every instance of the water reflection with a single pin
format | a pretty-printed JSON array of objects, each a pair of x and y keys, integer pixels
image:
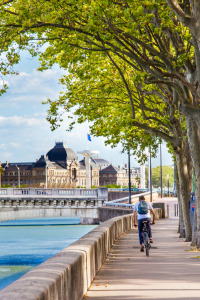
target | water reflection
[{"x": 25, "y": 244}]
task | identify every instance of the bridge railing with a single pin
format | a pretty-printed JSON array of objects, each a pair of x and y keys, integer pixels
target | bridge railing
[
  {"x": 57, "y": 198},
  {"x": 98, "y": 192}
]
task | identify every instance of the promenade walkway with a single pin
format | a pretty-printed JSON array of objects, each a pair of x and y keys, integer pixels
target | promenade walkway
[{"x": 169, "y": 272}]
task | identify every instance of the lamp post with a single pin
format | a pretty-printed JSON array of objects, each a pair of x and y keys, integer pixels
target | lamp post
[
  {"x": 129, "y": 177},
  {"x": 18, "y": 175},
  {"x": 161, "y": 185},
  {"x": 121, "y": 173},
  {"x": 168, "y": 184},
  {"x": 46, "y": 167},
  {"x": 174, "y": 177},
  {"x": 151, "y": 198}
]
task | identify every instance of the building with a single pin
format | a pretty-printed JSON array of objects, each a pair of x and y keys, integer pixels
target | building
[
  {"x": 96, "y": 164},
  {"x": 60, "y": 168},
  {"x": 113, "y": 175}
]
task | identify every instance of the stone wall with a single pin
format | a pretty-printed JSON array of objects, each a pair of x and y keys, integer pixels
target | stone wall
[
  {"x": 87, "y": 215},
  {"x": 107, "y": 212},
  {"x": 68, "y": 274}
]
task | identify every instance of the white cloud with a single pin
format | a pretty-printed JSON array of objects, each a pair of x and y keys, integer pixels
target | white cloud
[
  {"x": 18, "y": 120},
  {"x": 6, "y": 156},
  {"x": 3, "y": 82},
  {"x": 15, "y": 145},
  {"x": 3, "y": 146}
]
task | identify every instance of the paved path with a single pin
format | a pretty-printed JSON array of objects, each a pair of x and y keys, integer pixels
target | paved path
[{"x": 169, "y": 272}]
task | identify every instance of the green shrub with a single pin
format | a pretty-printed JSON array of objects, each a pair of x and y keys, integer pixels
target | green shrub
[{"x": 6, "y": 186}]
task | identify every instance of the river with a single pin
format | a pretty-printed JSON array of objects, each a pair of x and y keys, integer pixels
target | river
[{"x": 24, "y": 244}]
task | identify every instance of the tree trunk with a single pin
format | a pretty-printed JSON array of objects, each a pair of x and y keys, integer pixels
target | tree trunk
[
  {"x": 184, "y": 191},
  {"x": 194, "y": 143},
  {"x": 189, "y": 164},
  {"x": 181, "y": 228}
]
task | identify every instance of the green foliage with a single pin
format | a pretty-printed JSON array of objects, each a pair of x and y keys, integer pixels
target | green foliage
[
  {"x": 6, "y": 186},
  {"x": 166, "y": 170},
  {"x": 21, "y": 186},
  {"x": 114, "y": 54},
  {"x": 112, "y": 186},
  {"x": 1, "y": 171}
]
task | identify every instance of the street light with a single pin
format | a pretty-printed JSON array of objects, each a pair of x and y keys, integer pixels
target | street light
[
  {"x": 129, "y": 176},
  {"x": 151, "y": 198},
  {"x": 161, "y": 185},
  {"x": 168, "y": 184},
  {"x": 46, "y": 167},
  {"x": 121, "y": 173},
  {"x": 18, "y": 175}
]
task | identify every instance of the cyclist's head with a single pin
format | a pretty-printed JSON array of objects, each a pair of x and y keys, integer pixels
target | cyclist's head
[{"x": 141, "y": 198}]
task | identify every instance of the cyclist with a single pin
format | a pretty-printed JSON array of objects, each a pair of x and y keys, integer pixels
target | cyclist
[{"x": 142, "y": 209}]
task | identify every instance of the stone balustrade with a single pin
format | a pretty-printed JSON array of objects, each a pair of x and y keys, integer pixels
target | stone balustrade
[
  {"x": 37, "y": 202},
  {"x": 98, "y": 192}
]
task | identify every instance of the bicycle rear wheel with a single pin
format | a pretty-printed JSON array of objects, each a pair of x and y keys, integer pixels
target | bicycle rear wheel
[
  {"x": 147, "y": 250},
  {"x": 147, "y": 244}
]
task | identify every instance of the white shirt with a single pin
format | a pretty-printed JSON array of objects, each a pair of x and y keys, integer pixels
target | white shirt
[{"x": 139, "y": 216}]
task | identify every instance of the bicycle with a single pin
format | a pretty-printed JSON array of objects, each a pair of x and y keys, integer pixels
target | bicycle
[{"x": 145, "y": 230}]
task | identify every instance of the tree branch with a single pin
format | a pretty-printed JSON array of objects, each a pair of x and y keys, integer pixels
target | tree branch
[
  {"x": 125, "y": 83},
  {"x": 184, "y": 18},
  {"x": 153, "y": 131}
]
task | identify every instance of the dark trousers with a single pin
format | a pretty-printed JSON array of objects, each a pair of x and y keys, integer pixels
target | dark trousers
[{"x": 140, "y": 229}]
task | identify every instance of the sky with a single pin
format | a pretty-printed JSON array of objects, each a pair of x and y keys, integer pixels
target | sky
[{"x": 25, "y": 134}]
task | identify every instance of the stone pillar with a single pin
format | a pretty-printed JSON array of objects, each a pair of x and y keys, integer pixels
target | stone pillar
[
  {"x": 87, "y": 154},
  {"x": 142, "y": 176}
]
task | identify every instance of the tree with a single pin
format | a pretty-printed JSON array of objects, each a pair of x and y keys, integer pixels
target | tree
[
  {"x": 156, "y": 47},
  {"x": 104, "y": 100},
  {"x": 166, "y": 170}
]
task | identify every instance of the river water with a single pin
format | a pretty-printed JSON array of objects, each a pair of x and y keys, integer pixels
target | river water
[{"x": 24, "y": 244}]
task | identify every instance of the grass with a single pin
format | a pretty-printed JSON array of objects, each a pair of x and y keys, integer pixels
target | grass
[{"x": 193, "y": 249}]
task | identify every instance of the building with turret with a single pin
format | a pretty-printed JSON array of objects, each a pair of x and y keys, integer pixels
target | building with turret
[{"x": 60, "y": 168}]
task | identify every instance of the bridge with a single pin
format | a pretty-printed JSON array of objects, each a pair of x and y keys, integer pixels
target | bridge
[{"x": 37, "y": 203}]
